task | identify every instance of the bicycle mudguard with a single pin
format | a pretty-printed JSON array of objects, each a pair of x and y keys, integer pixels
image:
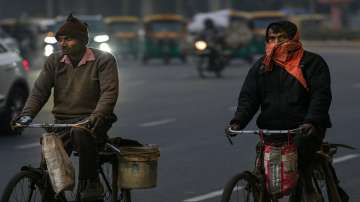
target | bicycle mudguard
[{"x": 33, "y": 170}]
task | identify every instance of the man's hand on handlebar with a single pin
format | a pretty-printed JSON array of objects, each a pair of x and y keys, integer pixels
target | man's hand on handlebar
[
  {"x": 21, "y": 121},
  {"x": 233, "y": 126}
]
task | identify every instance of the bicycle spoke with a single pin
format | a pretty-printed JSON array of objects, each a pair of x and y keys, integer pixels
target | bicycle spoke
[{"x": 25, "y": 191}]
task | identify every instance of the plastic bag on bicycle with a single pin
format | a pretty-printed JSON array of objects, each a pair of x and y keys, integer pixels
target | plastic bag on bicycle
[
  {"x": 280, "y": 167},
  {"x": 59, "y": 165}
]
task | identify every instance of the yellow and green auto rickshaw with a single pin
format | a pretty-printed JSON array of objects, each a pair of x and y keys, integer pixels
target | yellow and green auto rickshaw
[
  {"x": 259, "y": 21},
  {"x": 124, "y": 35},
  {"x": 310, "y": 25},
  {"x": 239, "y": 37},
  {"x": 164, "y": 37}
]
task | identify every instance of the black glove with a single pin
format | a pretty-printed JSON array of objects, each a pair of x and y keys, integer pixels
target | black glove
[
  {"x": 233, "y": 126},
  {"x": 307, "y": 129},
  {"x": 23, "y": 120},
  {"x": 95, "y": 123}
]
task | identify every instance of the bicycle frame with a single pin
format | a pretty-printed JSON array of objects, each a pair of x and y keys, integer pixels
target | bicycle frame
[
  {"x": 111, "y": 158},
  {"x": 324, "y": 156}
]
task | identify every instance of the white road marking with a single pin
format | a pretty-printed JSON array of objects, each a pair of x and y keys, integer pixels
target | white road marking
[
  {"x": 28, "y": 146},
  {"x": 345, "y": 158},
  {"x": 209, "y": 195},
  {"x": 157, "y": 123},
  {"x": 357, "y": 85},
  {"x": 219, "y": 192}
]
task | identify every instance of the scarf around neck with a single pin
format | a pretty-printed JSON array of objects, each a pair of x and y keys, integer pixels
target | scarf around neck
[{"x": 288, "y": 56}]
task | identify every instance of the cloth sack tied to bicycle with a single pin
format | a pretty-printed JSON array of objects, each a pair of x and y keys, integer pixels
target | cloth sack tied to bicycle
[
  {"x": 280, "y": 166},
  {"x": 59, "y": 165}
]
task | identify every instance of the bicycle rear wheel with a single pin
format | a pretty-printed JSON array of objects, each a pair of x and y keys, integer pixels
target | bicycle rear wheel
[
  {"x": 241, "y": 188},
  {"x": 325, "y": 183},
  {"x": 107, "y": 172},
  {"x": 24, "y": 186}
]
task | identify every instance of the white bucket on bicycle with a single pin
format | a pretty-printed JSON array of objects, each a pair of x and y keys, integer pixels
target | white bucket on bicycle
[{"x": 138, "y": 167}]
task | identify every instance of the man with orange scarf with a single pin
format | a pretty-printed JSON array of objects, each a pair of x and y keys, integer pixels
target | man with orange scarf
[{"x": 291, "y": 86}]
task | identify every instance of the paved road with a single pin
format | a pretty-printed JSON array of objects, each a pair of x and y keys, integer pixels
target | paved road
[{"x": 185, "y": 116}]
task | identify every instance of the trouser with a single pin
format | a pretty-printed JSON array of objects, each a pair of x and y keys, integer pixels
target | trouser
[
  {"x": 307, "y": 147},
  {"x": 85, "y": 144}
]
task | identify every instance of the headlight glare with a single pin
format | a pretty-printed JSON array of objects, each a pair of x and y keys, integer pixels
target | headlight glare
[
  {"x": 49, "y": 49},
  {"x": 105, "y": 47},
  {"x": 50, "y": 40},
  {"x": 200, "y": 45},
  {"x": 101, "y": 38}
]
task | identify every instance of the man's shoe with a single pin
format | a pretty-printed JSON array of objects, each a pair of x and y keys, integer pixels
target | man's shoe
[{"x": 94, "y": 191}]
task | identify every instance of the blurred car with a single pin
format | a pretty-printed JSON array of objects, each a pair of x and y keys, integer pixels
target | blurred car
[
  {"x": 14, "y": 88},
  {"x": 25, "y": 32},
  {"x": 9, "y": 41},
  {"x": 98, "y": 37}
]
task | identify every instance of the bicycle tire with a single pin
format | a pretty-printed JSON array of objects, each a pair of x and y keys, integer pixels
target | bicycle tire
[
  {"x": 325, "y": 182},
  {"x": 35, "y": 182},
  {"x": 126, "y": 195},
  {"x": 250, "y": 189},
  {"x": 331, "y": 183},
  {"x": 106, "y": 179}
]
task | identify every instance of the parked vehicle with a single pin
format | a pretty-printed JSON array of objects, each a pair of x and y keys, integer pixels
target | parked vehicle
[
  {"x": 9, "y": 41},
  {"x": 14, "y": 88},
  {"x": 25, "y": 32},
  {"x": 98, "y": 37},
  {"x": 124, "y": 32},
  {"x": 164, "y": 37}
]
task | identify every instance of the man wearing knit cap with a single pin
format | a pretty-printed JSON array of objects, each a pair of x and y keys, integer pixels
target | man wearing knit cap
[
  {"x": 85, "y": 86},
  {"x": 291, "y": 87}
]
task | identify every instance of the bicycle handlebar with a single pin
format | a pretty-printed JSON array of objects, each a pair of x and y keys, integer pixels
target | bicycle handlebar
[
  {"x": 229, "y": 132},
  {"x": 263, "y": 131},
  {"x": 51, "y": 125}
]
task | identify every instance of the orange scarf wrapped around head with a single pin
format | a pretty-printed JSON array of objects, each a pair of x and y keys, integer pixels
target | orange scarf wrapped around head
[{"x": 288, "y": 55}]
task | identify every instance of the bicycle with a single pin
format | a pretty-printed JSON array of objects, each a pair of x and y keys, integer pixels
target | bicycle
[
  {"x": 33, "y": 184},
  {"x": 250, "y": 185}
]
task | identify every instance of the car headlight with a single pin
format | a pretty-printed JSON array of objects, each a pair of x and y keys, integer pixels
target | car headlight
[
  {"x": 105, "y": 47},
  {"x": 50, "y": 40},
  {"x": 200, "y": 45},
  {"x": 49, "y": 49},
  {"x": 101, "y": 38}
]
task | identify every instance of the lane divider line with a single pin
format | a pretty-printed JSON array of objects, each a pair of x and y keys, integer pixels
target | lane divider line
[
  {"x": 209, "y": 195},
  {"x": 345, "y": 158},
  {"x": 157, "y": 123},
  {"x": 28, "y": 146}
]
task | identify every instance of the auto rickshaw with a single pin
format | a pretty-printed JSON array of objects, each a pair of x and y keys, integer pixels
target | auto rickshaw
[
  {"x": 239, "y": 37},
  {"x": 259, "y": 21},
  {"x": 309, "y": 25},
  {"x": 124, "y": 35},
  {"x": 164, "y": 37}
]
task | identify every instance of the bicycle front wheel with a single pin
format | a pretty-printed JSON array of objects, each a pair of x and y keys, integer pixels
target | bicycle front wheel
[
  {"x": 241, "y": 188},
  {"x": 24, "y": 186}
]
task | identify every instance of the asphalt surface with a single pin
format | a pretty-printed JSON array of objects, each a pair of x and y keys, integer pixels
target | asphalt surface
[{"x": 171, "y": 107}]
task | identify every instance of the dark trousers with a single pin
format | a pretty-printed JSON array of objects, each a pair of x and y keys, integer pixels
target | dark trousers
[{"x": 86, "y": 144}]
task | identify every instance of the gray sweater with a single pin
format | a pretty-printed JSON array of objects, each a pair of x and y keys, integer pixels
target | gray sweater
[{"x": 90, "y": 88}]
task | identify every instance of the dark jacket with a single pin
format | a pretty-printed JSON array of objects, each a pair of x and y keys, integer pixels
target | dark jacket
[{"x": 284, "y": 102}]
